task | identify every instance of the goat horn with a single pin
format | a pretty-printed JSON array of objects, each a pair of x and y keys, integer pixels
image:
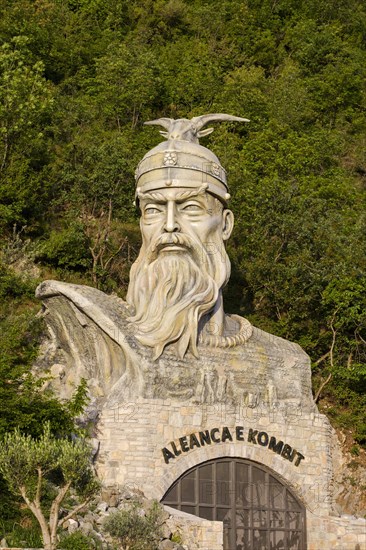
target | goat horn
[
  {"x": 201, "y": 121},
  {"x": 164, "y": 122}
]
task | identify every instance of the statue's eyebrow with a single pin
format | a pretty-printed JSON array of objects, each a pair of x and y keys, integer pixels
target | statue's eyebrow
[
  {"x": 185, "y": 195},
  {"x": 182, "y": 196}
]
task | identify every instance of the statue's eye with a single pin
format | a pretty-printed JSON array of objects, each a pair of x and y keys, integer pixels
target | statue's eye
[
  {"x": 193, "y": 207},
  {"x": 151, "y": 210}
]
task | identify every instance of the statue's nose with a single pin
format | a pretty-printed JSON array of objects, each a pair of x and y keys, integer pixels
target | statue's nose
[{"x": 171, "y": 222}]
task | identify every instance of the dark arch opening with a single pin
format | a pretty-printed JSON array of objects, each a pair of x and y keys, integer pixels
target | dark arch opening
[{"x": 258, "y": 510}]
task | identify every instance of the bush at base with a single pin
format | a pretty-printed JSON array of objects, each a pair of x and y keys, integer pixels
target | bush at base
[{"x": 135, "y": 530}]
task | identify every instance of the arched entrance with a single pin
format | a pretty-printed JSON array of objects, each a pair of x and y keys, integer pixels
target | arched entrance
[{"x": 258, "y": 511}]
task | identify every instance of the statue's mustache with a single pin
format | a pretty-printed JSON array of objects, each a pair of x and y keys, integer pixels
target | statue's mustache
[{"x": 172, "y": 239}]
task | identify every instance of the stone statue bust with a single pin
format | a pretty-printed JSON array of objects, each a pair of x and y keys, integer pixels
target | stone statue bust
[{"x": 171, "y": 338}]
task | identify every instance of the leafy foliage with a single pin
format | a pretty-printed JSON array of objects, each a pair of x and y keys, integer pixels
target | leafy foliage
[
  {"x": 78, "y": 541},
  {"x": 134, "y": 528},
  {"x": 25, "y": 101},
  {"x": 26, "y": 464},
  {"x": 26, "y": 533},
  {"x": 23, "y": 405}
]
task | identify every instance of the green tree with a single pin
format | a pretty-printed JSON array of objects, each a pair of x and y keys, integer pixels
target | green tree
[
  {"x": 22, "y": 404},
  {"x": 27, "y": 465},
  {"x": 25, "y": 100}
]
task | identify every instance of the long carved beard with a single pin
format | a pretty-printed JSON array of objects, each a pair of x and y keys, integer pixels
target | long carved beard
[{"x": 171, "y": 291}]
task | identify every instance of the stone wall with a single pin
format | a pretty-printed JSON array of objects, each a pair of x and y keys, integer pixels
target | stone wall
[
  {"x": 197, "y": 533},
  {"x": 133, "y": 437},
  {"x": 336, "y": 533}
]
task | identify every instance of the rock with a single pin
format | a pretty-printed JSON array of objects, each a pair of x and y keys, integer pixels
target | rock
[
  {"x": 112, "y": 510},
  {"x": 90, "y": 517},
  {"x": 165, "y": 531},
  {"x": 164, "y": 515},
  {"x": 110, "y": 496},
  {"x": 57, "y": 371},
  {"x": 86, "y": 527},
  {"x": 3, "y": 543},
  {"x": 123, "y": 505},
  {"x": 100, "y": 519},
  {"x": 167, "y": 545},
  {"x": 95, "y": 446},
  {"x": 130, "y": 491},
  {"x": 72, "y": 525},
  {"x": 102, "y": 507}
]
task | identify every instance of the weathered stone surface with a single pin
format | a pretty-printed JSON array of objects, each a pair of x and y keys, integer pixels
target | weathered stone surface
[
  {"x": 86, "y": 527},
  {"x": 102, "y": 507},
  {"x": 111, "y": 496},
  {"x": 165, "y": 531},
  {"x": 72, "y": 525},
  {"x": 167, "y": 545},
  {"x": 265, "y": 370},
  {"x": 90, "y": 517}
]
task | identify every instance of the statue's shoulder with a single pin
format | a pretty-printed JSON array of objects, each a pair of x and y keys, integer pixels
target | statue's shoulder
[
  {"x": 89, "y": 300},
  {"x": 279, "y": 367},
  {"x": 274, "y": 343},
  {"x": 89, "y": 338},
  {"x": 260, "y": 342}
]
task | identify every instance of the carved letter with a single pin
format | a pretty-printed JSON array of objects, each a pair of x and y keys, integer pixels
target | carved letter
[
  {"x": 205, "y": 437},
  {"x": 288, "y": 453},
  {"x": 226, "y": 434},
  {"x": 193, "y": 441},
  {"x": 300, "y": 457},
  {"x": 213, "y": 437},
  {"x": 263, "y": 439},
  {"x": 239, "y": 433},
  {"x": 176, "y": 451},
  {"x": 251, "y": 435},
  {"x": 274, "y": 446},
  {"x": 184, "y": 444},
  {"x": 167, "y": 455}
]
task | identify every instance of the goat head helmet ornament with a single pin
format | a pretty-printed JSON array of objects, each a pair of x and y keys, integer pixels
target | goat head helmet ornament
[
  {"x": 191, "y": 130},
  {"x": 181, "y": 161}
]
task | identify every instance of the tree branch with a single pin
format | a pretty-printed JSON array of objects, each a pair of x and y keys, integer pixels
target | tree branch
[
  {"x": 36, "y": 510},
  {"x": 116, "y": 253},
  {"x": 61, "y": 495},
  {"x": 316, "y": 398},
  {"x": 39, "y": 485},
  {"x": 5, "y": 156},
  {"x": 331, "y": 351},
  {"x": 357, "y": 334},
  {"x": 322, "y": 358},
  {"x": 55, "y": 507},
  {"x": 331, "y": 356},
  {"x": 74, "y": 511}
]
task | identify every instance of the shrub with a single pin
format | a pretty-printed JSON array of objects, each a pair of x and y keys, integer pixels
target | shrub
[
  {"x": 78, "y": 541},
  {"x": 135, "y": 529}
]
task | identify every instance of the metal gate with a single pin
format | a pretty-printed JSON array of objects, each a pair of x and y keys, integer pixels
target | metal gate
[{"x": 258, "y": 511}]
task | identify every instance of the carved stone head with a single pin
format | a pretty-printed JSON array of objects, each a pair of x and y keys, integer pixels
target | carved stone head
[{"x": 176, "y": 282}]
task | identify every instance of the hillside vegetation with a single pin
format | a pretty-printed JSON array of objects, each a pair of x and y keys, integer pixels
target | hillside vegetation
[{"x": 77, "y": 80}]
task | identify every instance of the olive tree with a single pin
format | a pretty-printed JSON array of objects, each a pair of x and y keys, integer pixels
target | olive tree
[{"x": 29, "y": 465}]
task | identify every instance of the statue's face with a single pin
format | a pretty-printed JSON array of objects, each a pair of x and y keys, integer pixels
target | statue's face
[
  {"x": 181, "y": 210},
  {"x": 181, "y": 268}
]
